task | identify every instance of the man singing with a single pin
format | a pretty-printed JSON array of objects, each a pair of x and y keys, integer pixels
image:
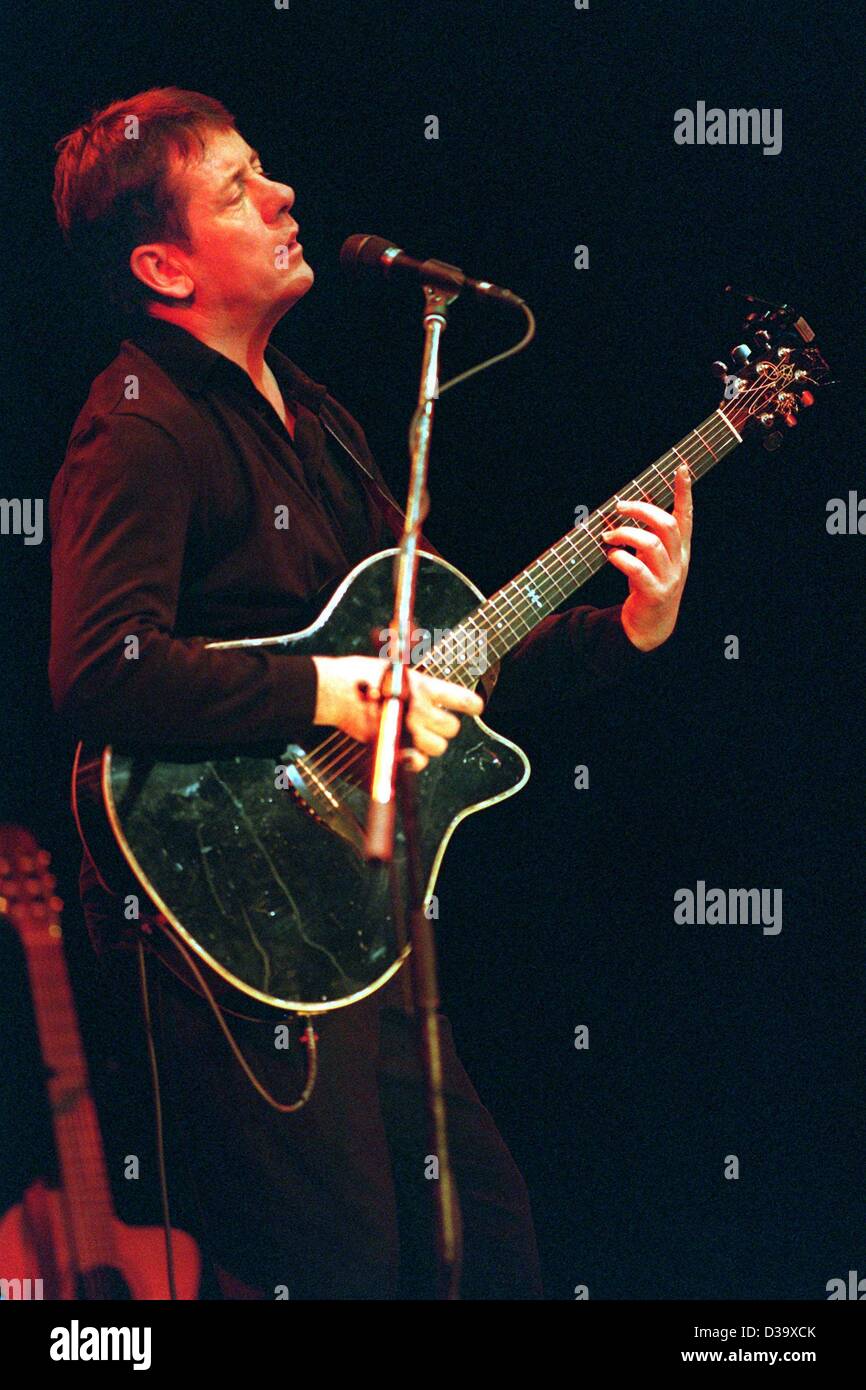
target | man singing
[{"x": 163, "y": 530}]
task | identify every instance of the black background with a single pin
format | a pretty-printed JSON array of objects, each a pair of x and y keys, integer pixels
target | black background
[{"x": 556, "y": 908}]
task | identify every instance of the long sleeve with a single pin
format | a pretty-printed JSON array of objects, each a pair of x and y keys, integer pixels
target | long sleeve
[
  {"x": 123, "y": 530},
  {"x": 581, "y": 651}
]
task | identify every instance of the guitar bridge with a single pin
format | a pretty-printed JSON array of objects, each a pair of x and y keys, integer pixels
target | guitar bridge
[{"x": 319, "y": 797}]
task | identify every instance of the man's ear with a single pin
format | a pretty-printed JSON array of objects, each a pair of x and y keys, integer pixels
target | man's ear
[{"x": 158, "y": 266}]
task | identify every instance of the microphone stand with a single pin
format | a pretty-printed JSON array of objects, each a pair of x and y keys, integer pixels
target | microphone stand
[{"x": 389, "y": 773}]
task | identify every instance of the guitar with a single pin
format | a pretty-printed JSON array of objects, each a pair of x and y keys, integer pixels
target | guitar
[
  {"x": 69, "y": 1244},
  {"x": 253, "y": 859}
]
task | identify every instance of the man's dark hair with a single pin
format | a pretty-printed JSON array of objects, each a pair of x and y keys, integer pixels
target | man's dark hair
[{"x": 113, "y": 188}]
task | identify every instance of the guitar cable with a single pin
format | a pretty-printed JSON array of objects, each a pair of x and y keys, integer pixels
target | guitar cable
[
  {"x": 157, "y": 1110},
  {"x": 310, "y": 1039}
]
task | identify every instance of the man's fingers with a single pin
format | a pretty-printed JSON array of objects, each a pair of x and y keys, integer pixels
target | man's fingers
[
  {"x": 430, "y": 722},
  {"x": 428, "y": 742},
  {"x": 683, "y": 502},
  {"x": 441, "y": 721},
  {"x": 639, "y": 575},
  {"x": 657, "y": 517},
  {"x": 425, "y": 723},
  {"x": 450, "y": 696},
  {"x": 674, "y": 530},
  {"x": 415, "y": 761},
  {"x": 652, "y": 548},
  {"x": 432, "y": 717}
]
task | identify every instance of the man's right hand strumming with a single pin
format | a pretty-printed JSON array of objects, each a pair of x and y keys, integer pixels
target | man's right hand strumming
[{"x": 347, "y": 683}]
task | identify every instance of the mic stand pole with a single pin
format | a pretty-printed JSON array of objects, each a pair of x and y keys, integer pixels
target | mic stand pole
[{"x": 388, "y": 769}]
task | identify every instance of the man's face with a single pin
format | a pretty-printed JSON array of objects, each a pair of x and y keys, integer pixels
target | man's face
[{"x": 245, "y": 258}]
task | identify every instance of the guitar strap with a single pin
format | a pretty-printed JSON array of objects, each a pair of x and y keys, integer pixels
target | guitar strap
[{"x": 394, "y": 517}]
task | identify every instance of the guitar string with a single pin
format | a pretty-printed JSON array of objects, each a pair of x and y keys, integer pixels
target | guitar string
[
  {"x": 723, "y": 432},
  {"x": 719, "y": 429}
]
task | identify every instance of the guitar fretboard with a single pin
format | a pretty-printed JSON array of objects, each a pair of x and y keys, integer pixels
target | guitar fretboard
[
  {"x": 503, "y": 620},
  {"x": 89, "y": 1208}
]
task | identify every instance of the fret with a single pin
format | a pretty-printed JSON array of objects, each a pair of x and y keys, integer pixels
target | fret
[{"x": 722, "y": 416}]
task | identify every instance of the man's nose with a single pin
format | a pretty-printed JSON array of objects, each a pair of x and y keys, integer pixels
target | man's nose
[{"x": 279, "y": 199}]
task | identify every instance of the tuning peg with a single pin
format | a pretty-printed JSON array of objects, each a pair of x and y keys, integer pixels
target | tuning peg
[
  {"x": 719, "y": 369},
  {"x": 806, "y": 398},
  {"x": 772, "y": 441},
  {"x": 790, "y": 419},
  {"x": 741, "y": 354}
]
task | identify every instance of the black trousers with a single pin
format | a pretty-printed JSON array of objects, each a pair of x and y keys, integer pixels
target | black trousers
[{"x": 335, "y": 1201}]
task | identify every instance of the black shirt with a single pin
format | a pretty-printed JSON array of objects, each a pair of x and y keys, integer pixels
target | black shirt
[{"x": 184, "y": 511}]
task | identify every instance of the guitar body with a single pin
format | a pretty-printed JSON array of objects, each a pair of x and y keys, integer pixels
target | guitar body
[
  {"x": 254, "y": 858},
  {"x": 34, "y": 1244}
]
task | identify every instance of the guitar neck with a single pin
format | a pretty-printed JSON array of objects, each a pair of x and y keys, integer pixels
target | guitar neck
[
  {"x": 503, "y": 620},
  {"x": 88, "y": 1206}
]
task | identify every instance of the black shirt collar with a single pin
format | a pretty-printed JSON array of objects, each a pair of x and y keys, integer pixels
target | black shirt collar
[{"x": 196, "y": 367}]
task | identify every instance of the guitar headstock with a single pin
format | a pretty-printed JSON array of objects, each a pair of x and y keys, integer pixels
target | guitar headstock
[
  {"x": 774, "y": 372},
  {"x": 27, "y": 887}
]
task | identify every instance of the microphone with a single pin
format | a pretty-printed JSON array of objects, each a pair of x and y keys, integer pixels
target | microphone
[{"x": 360, "y": 253}]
